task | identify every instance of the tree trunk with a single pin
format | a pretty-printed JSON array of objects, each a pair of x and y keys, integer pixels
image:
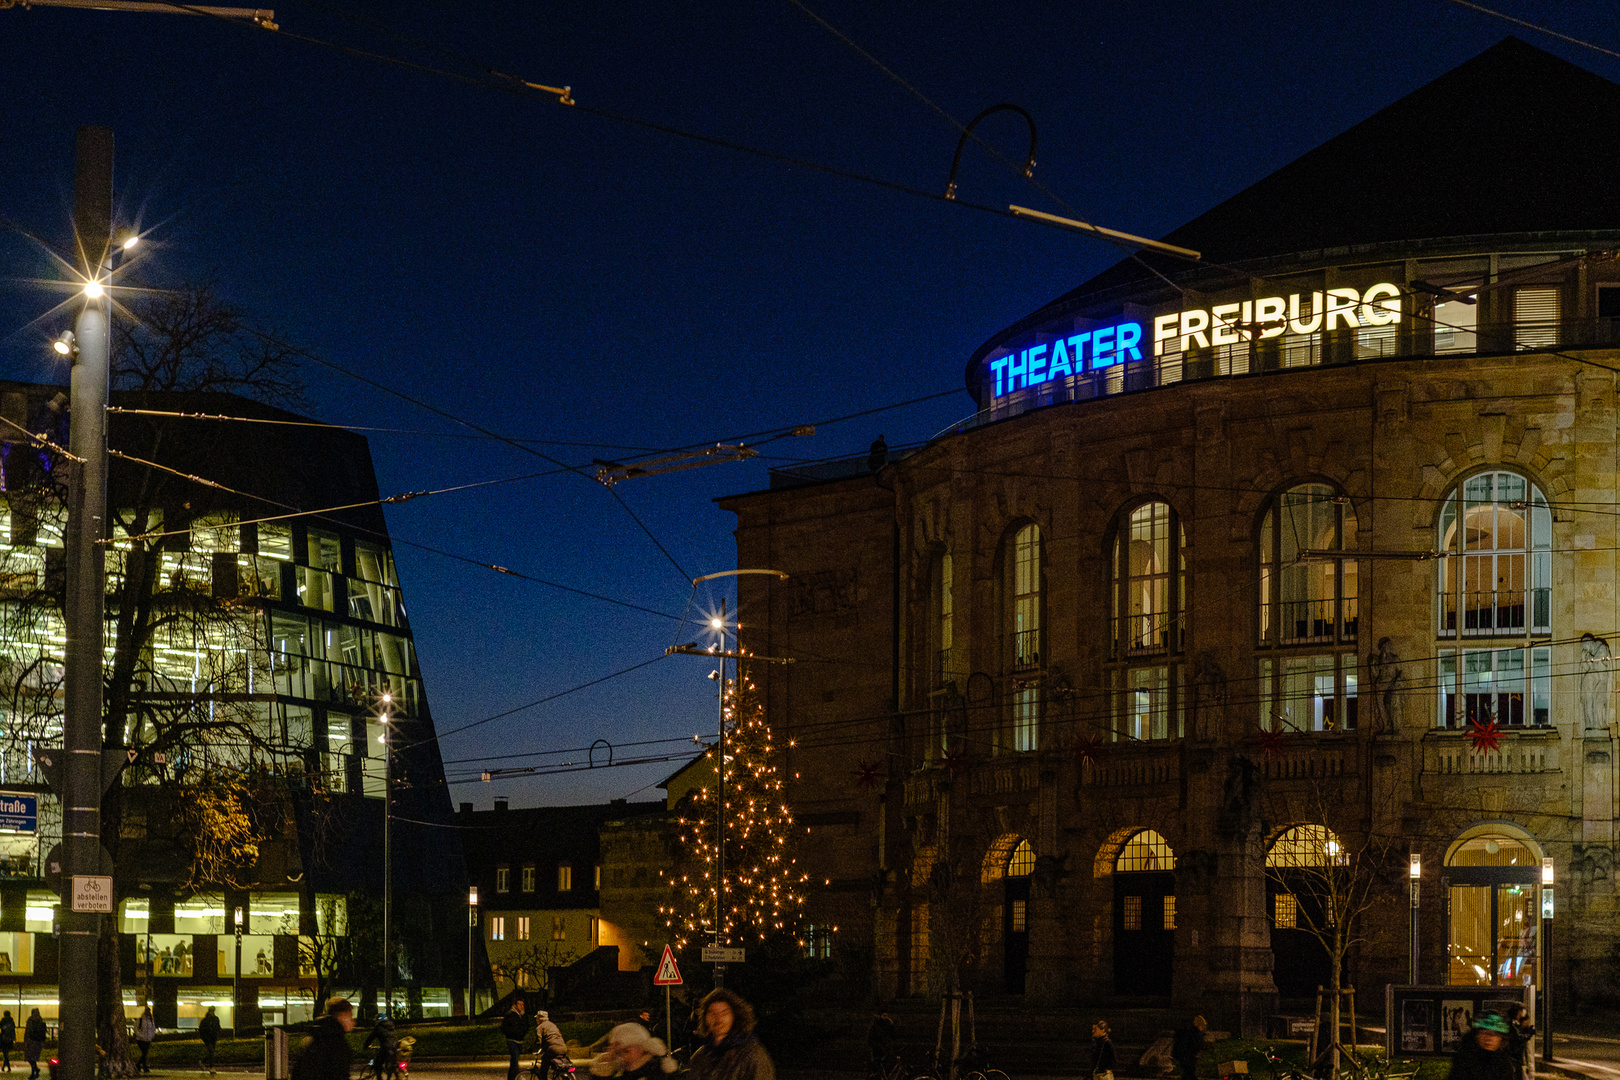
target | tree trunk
[
  {"x": 1338, "y": 998},
  {"x": 113, "y": 1034}
]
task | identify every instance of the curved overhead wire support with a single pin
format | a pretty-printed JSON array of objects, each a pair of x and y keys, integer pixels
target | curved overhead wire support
[{"x": 967, "y": 133}]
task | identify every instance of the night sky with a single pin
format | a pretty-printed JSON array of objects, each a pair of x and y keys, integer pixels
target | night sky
[{"x": 554, "y": 275}]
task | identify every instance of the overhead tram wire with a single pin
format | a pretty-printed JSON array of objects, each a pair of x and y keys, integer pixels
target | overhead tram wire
[
  {"x": 1538, "y": 29},
  {"x": 399, "y": 540}
]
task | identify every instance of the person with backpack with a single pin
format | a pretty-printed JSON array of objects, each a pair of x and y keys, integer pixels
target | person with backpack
[
  {"x": 8, "y": 1039},
  {"x": 325, "y": 1055},
  {"x": 209, "y": 1030},
  {"x": 145, "y": 1032},
  {"x": 34, "y": 1041},
  {"x": 515, "y": 1029}
]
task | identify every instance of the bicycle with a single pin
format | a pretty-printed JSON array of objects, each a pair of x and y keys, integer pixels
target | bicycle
[
  {"x": 974, "y": 1064},
  {"x": 547, "y": 1069}
]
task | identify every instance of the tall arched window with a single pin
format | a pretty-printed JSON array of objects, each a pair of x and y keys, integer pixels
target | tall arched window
[
  {"x": 1308, "y": 612},
  {"x": 1026, "y": 647},
  {"x": 1495, "y": 581},
  {"x": 1148, "y": 588},
  {"x": 1300, "y": 893},
  {"x": 1144, "y": 915}
]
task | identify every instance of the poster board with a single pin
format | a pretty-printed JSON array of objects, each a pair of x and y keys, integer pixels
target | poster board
[{"x": 1431, "y": 1020}]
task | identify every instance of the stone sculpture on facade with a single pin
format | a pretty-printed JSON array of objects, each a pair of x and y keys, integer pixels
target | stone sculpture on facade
[
  {"x": 1595, "y": 682},
  {"x": 1384, "y": 668}
]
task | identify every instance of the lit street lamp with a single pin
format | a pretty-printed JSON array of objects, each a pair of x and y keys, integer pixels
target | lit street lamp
[
  {"x": 1414, "y": 874},
  {"x": 472, "y": 922},
  {"x": 1545, "y": 1020},
  {"x": 236, "y": 976}
]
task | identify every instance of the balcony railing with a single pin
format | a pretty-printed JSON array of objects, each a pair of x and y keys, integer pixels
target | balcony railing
[{"x": 1026, "y": 649}]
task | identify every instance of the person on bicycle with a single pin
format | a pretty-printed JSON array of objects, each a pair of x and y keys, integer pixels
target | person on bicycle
[
  {"x": 382, "y": 1033},
  {"x": 551, "y": 1046},
  {"x": 633, "y": 1053},
  {"x": 729, "y": 1051},
  {"x": 880, "y": 1039}
]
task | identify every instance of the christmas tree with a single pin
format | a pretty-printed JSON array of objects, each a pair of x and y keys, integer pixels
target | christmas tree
[{"x": 761, "y": 897}]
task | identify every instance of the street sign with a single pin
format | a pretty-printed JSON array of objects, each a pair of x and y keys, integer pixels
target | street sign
[
  {"x": 18, "y": 812},
  {"x": 714, "y": 954},
  {"x": 668, "y": 973},
  {"x": 92, "y": 892}
]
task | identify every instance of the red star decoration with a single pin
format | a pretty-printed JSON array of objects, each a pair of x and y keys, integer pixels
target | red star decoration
[
  {"x": 868, "y": 774},
  {"x": 1485, "y": 737},
  {"x": 1088, "y": 750},
  {"x": 1270, "y": 743},
  {"x": 955, "y": 762}
]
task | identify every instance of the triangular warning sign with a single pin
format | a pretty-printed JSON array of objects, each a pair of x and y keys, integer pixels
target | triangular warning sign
[{"x": 668, "y": 973}]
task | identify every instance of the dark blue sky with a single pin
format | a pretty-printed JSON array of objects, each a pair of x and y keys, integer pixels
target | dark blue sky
[{"x": 551, "y": 274}]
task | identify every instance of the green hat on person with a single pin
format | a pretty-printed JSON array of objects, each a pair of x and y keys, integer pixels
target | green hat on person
[{"x": 1491, "y": 1022}]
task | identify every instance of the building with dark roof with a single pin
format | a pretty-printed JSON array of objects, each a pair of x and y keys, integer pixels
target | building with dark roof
[
  {"x": 1294, "y": 562},
  {"x": 275, "y": 641}
]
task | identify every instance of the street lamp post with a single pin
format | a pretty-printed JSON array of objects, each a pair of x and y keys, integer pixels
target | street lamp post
[
  {"x": 388, "y": 853},
  {"x": 472, "y": 922},
  {"x": 236, "y": 979},
  {"x": 1545, "y": 1021},
  {"x": 1415, "y": 876}
]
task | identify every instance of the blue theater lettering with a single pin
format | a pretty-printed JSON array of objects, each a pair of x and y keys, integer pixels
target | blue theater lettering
[{"x": 1090, "y": 350}]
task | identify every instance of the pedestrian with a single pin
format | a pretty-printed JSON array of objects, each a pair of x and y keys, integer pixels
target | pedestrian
[
  {"x": 209, "y": 1030},
  {"x": 1102, "y": 1052},
  {"x": 145, "y": 1032},
  {"x": 515, "y": 1029},
  {"x": 8, "y": 1039},
  {"x": 325, "y": 1055},
  {"x": 880, "y": 1044},
  {"x": 550, "y": 1045},
  {"x": 33, "y": 1042},
  {"x": 729, "y": 1051},
  {"x": 1520, "y": 1032},
  {"x": 1189, "y": 1043},
  {"x": 633, "y": 1053},
  {"x": 1482, "y": 1053}
]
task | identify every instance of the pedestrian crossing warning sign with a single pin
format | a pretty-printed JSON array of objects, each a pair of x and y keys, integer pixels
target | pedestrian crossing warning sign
[{"x": 668, "y": 973}]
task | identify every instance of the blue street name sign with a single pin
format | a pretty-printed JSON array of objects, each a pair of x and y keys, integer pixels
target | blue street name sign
[{"x": 18, "y": 813}]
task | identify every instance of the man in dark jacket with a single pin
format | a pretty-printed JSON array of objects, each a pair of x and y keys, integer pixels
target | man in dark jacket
[
  {"x": 515, "y": 1029},
  {"x": 325, "y": 1055},
  {"x": 1482, "y": 1055},
  {"x": 1189, "y": 1043},
  {"x": 209, "y": 1030}
]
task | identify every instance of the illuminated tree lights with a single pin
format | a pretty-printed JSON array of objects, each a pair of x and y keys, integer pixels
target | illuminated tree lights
[{"x": 762, "y": 879}]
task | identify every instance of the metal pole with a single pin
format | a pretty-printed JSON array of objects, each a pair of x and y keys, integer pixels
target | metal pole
[
  {"x": 82, "y": 713},
  {"x": 1413, "y": 919},
  {"x": 1544, "y": 1022},
  {"x": 388, "y": 865},
  {"x": 236, "y": 980},
  {"x": 472, "y": 922},
  {"x": 720, "y": 810}
]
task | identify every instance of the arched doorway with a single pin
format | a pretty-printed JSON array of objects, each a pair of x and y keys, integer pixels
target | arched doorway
[
  {"x": 1015, "y": 917},
  {"x": 1300, "y": 961},
  {"x": 1144, "y": 915},
  {"x": 1492, "y": 876}
]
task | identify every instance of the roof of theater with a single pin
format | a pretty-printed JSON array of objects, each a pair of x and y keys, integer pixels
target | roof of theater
[{"x": 1514, "y": 141}]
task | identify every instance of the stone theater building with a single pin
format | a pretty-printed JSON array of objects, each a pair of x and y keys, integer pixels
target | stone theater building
[{"x": 1242, "y": 564}]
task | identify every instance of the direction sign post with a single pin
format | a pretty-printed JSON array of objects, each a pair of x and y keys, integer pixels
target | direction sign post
[{"x": 716, "y": 954}]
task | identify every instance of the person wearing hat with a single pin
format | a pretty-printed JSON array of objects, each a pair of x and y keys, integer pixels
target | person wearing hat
[
  {"x": 550, "y": 1044},
  {"x": 1482, "y": 1053},
  {"x": 635, "y": 1054}
]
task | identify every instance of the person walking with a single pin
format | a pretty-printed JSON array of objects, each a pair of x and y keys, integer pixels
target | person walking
[
  {"x": 145, "y": 1032},
  {"x": 33, "y": 1042},
  {"x": 209, "y": 1030},
  {"x": 1482, "y": 1053},
  {"x": 633, "y": 1053},
  {"x": 1188, "y": 1044},
  {"x": 515, "y": 1029},
  {"x": 1520, "y": 1032},
  {"x": 729, "y": 1051},
  {"x": 1102, "y": 1052},
  {"x": 550, "y": 1044},
  {"x": 8, "y": 1039},
  {"x": 325, "y": 1055}
]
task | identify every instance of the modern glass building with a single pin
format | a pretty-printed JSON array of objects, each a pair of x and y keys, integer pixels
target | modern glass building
[{"x": 256, "y": 640}]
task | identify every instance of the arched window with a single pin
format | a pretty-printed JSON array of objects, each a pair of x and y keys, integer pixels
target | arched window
[
  {"x": 1024, "y": 580},
  {"x": 1024, "y": 597},
  {"x": 1303, "y": 846},
  {"x": 1308, "y": 612},
  {"x": 1310, "y": 600},
  {"x": 1144, "y": 915},
  {"x": 1021, "y": 863},
  {"x": 1145, "y": 852},
  {"x": 1495, "y": 580},
  {"x": 1148, "y": 589},
  {"x": 1492, "y": 898},
  {"x": 1301, "y": 890}
]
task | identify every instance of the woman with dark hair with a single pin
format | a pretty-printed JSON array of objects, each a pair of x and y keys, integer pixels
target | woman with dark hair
[
  {"x": 729, "y": 1051},
  {"x": 1520, "y": 1032}
]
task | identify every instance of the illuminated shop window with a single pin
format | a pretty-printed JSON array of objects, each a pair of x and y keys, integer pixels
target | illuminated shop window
[
  {"x": 1312, "y": 599},
  {"x": 1510, "y": 687},
  {"x": 1024, "y": 573},
  {"x": 1300, "y": 694},
  {"x": 1496, "y": 531}
]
